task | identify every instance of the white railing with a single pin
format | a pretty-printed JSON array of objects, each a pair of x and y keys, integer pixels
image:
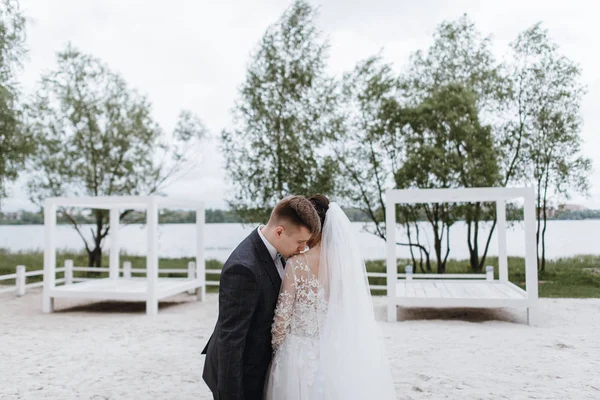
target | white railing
[
  {"x": 21, "y": 275},
  {"x": 408, "y": 275},
  {"x": 20, "y": 278}
]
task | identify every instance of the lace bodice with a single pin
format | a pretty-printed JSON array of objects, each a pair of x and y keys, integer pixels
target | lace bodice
[{"x": 298, "y": 304}]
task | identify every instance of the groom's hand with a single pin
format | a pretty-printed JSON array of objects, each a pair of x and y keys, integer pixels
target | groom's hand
[{"x": 238, "y": 297}]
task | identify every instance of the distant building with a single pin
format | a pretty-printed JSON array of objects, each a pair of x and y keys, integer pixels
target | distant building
[
  {"x": 572, "y": 207},
  {"x": 551, "y": 212}
]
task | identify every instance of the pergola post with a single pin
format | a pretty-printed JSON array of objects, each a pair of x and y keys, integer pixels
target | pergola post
[
  {"x": 531, "y": 274},
  {"x": 200, "y": 263},
  {"x": 152, "y": 256},
  {"x": 502, "y": 252},
  {"x": 68, "y": 272},
  {"x": 114, "y": 244},
  {"x": 49, "y": 256},
  {"x": 391, "y": 269}
]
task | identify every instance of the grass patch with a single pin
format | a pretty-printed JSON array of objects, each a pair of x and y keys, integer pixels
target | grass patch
[{"x": 572, "y": 277}]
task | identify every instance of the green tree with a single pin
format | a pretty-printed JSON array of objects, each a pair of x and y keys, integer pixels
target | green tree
[
  {"x": 283, "y": 115},
  {"x": 448, "y": 147},
  {"x": 97, "y": 137},
  {"x": 368, "y": 110},
  {"x": 369, "y": 149},
  {"x": 459, "y": 55},
  {"x": 547, "y": 96},
  {"x": 15, "y": 145},
  {"x": 460, "y": 62}
]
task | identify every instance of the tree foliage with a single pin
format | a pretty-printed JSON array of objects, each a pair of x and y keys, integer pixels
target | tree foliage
[
  {"x": 97, "y": 137},
  {"x": 455, "y": 86},
  {"x": 282, "y": 118},
  {"x": 15, "y": 145},
  {"x": 368, "y": 146},
  {"x": 446, "y": 147},
  {"x": 547, "y": 96}
]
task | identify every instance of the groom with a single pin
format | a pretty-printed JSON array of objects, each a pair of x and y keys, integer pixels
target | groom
[{"x": 239, "y": 351}]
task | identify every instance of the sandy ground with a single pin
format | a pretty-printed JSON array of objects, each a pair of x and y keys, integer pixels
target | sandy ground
[{"x": 113, "y": 351}]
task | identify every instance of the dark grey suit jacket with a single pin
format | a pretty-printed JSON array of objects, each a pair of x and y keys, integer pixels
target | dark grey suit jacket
[{"x": 239, "y": 351}]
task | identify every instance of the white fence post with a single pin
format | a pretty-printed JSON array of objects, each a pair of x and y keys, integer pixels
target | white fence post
[
  {"x": 200, "y": 260},
  {"x": 409, "y": 272},
  {"x": 531, "y": 272},
  {"x": 127, "y": 270},
  {"x": 114, "y": 244},
  {"x": 489, "y": 273},
  {"x": 502, "y": 252},
  {"x": 201, "y": 276},
  {"x": 68, "y": 272},
  {"x": 49, "y": 255},
  {"x": 191, "y": 274},
  {"x": 391, "y": 265},
  {"x": 21, "y": 280},
  {"x": 152, "y": 256}
]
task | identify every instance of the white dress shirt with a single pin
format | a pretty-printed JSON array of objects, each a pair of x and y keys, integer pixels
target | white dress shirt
[{"x": 272, "y": 252}]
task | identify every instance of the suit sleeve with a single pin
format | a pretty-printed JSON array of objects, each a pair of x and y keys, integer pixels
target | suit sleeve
[{"x": 238, "y": 296}]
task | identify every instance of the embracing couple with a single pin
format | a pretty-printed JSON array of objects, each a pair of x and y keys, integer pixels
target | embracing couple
[{"x": 296, "y": 319}]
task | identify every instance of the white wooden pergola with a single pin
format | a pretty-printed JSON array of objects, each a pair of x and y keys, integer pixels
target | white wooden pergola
[
  {"x": 150, "y": 289},
  {"x": 425, "y": 290}
]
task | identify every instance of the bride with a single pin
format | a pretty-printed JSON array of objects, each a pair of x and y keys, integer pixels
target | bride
[{"x": 327, "y": 344}]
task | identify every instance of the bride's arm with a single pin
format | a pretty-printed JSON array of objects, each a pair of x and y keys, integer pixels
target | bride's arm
[{"x": 285, "y": 304}]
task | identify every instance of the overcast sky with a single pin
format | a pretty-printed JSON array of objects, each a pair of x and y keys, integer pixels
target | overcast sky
[{"x": 193, "y": 54}]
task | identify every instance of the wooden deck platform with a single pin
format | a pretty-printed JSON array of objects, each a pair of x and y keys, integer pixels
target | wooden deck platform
[
  {"x": 124, "y": 289},
  {"x": 459, "y": 293}
]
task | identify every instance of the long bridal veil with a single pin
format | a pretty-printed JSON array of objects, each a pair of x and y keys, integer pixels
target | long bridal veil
[{"x": 353, "y": 363}]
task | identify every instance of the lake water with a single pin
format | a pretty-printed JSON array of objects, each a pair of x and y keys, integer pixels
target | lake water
[{"x": 564, "y": 238}]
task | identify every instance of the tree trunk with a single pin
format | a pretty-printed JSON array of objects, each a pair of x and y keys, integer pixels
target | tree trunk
[
  {"x": 475, "y": 262},
  {"x": 487, "y": 246},
  {"x": 410, "y": 247},
  {"x": 538, "y": 218},
  {"x": 474, "y": 259},
  {"x": 473, "y": 240},
  {"x": 423, "y": 251},
  {"x": 441, "y": 268},
  {"x": 438, "y": 238},
  {"x": 447, "y": 246},
  {"x": 545, "y": 215},
  {"x": 95, "y": 255},
  {"x": 543, "y": 258},
  {"x": 434, "y": 220},
  {"x": 410, "y": 217},
  {"x": 437, "y": 242}
]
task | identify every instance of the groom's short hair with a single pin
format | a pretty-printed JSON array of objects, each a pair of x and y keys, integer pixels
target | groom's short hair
[{"x": 299, "y": 211}]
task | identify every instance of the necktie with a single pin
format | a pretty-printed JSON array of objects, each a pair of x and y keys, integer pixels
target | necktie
[{"x": 281, "y": 259}]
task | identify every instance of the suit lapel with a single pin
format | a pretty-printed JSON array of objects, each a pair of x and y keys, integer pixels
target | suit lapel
[{"x": 266, "y": 260}]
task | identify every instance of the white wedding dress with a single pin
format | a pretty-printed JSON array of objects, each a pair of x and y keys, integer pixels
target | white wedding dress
[
  {"x": 326, "y": 341},
  {"x": 295, "y": 334}
]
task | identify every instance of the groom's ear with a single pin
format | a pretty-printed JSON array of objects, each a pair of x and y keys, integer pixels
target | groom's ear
[{"x": 279, "y": 230}]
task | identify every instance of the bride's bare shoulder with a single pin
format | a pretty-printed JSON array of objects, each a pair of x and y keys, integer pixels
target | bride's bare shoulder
[{"x": 314, "y": 256}]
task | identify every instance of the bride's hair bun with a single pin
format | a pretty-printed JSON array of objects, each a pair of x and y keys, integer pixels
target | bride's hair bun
[{"x": 321, "y": 204}]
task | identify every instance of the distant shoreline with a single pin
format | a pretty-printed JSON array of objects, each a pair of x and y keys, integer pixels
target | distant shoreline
[
  {"x": 216, "y": 216},
  {"x": 12, "y": 223}
]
